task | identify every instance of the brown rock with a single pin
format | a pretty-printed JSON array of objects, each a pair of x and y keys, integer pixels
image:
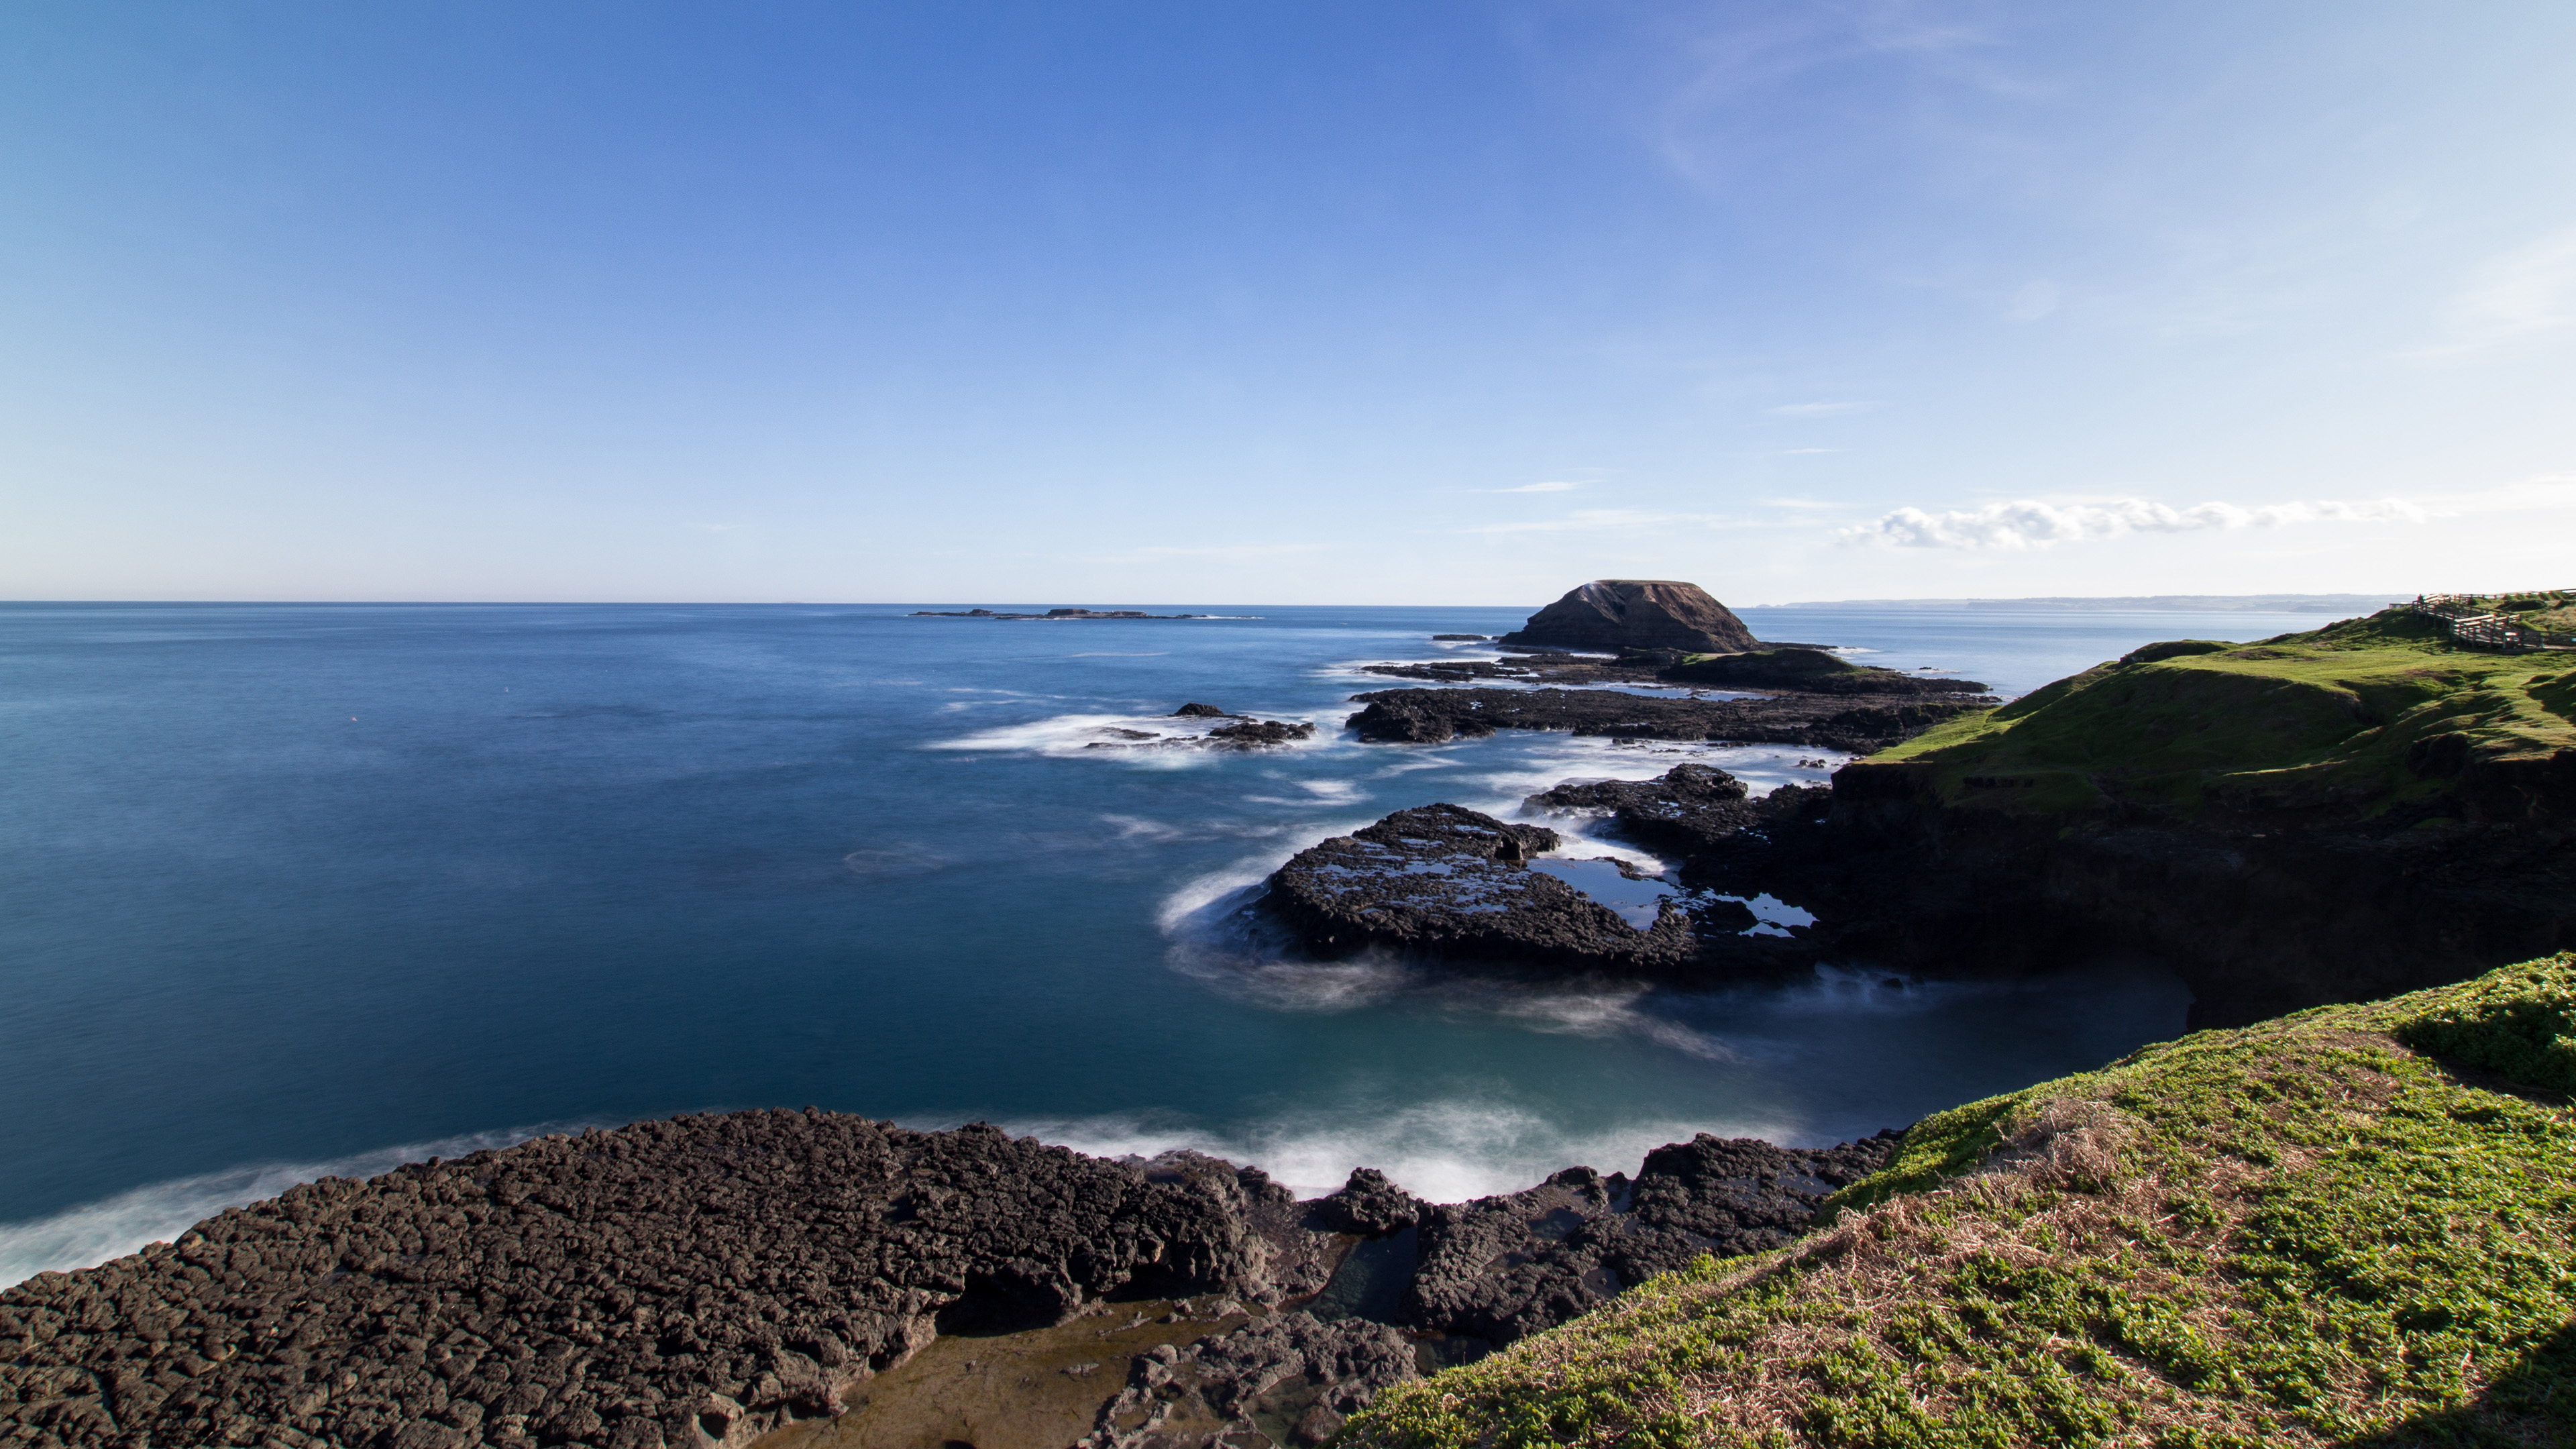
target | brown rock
[{"x": 1615, "y": 614}]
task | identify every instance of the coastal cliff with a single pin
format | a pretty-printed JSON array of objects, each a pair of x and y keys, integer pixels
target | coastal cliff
[{"x": 2351, "y": 1227}]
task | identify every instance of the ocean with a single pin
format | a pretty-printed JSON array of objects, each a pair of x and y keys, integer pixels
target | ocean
[{"x": 288, "y": 890}]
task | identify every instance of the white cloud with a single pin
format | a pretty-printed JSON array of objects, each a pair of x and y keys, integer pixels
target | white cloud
[
  {"x": 1818, "y": 409},
  {"x": 1540, "y": 488},
  {"x": 2026, "y": 523}
]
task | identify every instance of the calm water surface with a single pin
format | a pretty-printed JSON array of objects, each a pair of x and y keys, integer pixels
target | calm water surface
[{"x": 291, "y": 889}]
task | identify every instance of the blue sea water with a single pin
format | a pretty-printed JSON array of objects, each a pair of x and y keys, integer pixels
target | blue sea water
[{"x": 295, "y": 889}]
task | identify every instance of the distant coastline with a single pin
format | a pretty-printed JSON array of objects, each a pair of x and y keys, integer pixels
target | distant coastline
[{"x": 2160, "y": 603}]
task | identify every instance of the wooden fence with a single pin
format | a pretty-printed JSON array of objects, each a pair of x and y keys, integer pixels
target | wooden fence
[{"x": 2473, "y": 621}]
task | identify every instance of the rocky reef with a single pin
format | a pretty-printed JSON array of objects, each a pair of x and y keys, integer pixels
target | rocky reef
[
  {"x": 707, "y": 1280},
  {"x": 1242, "y": 732},
  {"x": 1446, "y": 881},
  {"x": 1616, "y": 614},
  {"x": 1821, "y": 721}
]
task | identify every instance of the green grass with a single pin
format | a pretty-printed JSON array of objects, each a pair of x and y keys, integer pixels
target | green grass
[
  {"x": 2313, "y": 1231},
  {"x": 2347, "y": 721}
]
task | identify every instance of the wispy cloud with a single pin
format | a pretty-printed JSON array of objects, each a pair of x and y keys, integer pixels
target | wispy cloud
[
  {"x": 1552, "y": 487},
  {"x": 2026, "y": 523},
  {"x": 1818, "y": 409}
]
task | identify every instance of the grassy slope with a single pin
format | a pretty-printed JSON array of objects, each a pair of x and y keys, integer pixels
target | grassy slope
[
  {"x": 2303, "y": 1232},
  {"x": 2320, "y": 719}
]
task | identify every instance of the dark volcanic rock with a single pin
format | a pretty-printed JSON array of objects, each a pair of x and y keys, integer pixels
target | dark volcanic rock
[
  {"x": 1368, "y": 1205},
  {"x": 1862, "y": 725},
  {"x": 1446, "y": 881},
  {"x": 1617, "y": 614},
  {"x": 1502, "y": 1268},
  {"x": 1254, "y": 733},
  {"x": 1690, "y": 811},
  {"x": 1195, "y": 710},
  {"x": 670, "y": 1283},
  {"x": 1292, "y": 1368},
  {"x": 1810, "y": 670}
]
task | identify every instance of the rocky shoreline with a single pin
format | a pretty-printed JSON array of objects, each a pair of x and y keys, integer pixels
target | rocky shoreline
[
  {"x": 1856, "y": 725},
  {"x": 705, "y": 1281}
]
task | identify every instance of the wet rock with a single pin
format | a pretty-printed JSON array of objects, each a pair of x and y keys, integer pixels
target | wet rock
[
  {"x": 1446, "y": 881},
  {"x": 1617, "y": 614},
  {"x": 1293, "y": 1368},
  {"x": 1195, "y": 710},
  {"x": 1253, "y": 734},
  {"x": 1857, "y": 725},
  {"x": 1689, "y": 810}
]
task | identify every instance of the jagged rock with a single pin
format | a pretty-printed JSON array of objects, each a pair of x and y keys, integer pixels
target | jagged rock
[
  {"x": 1255, "y": 733},
  {"x": 1690, "y": 809},
  {"x": 1616, "y": 614},
  {"x": 1368, "y": 1205},
  {"x": 1857, "y": 725},
  {"x": 1501, "y": 1268},
  {"x": 1195, "y": 710},
  {"x": 682, "y": 1282},
  {"x": 1447, "y": 881}
]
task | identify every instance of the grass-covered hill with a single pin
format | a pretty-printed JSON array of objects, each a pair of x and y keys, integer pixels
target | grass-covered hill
[
  {"x": 2351, "y": 721},
  {"x": 2353, "y": 1226}
]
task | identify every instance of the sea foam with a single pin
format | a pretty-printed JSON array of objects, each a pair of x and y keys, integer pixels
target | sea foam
[{"x": 92, "y": 1233}]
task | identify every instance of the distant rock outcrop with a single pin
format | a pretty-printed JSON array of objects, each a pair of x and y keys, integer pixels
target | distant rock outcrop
[{"x": 1616, "y": 614}]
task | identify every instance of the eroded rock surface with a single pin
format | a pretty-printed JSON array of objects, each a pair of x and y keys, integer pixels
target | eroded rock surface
[
  {"x": 673, "y": 1283},
  {"x": 1501, "y": 1268},
  {"x": 1294, "y": 1371}
]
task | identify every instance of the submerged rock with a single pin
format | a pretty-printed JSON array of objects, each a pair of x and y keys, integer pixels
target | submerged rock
[{"x": 1616, "y": 614}]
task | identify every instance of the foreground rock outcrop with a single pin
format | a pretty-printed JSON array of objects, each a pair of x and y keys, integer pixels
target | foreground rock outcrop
[
  {"x": 705, "y": 1280},
  {"x": 688, "y": 1282},
  {"x": 1616, "y": 614}
]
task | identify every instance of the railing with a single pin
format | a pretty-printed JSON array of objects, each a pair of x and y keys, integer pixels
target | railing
[{"x": 2474, "y": 622}]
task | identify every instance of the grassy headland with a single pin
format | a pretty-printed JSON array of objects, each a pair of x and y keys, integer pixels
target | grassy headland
[
  {"x": 2351, "y": 720},
  {"x": 2356, "y": 1225}
]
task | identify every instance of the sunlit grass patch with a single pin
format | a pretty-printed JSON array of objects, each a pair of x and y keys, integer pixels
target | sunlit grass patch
[{"x": 2303, "y": 1232}]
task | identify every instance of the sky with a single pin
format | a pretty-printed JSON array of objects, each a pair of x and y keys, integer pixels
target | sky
[{"x": 1119, "y": 303}]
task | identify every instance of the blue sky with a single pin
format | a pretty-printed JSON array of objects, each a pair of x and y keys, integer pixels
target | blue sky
[{"x": 1283, "y": 303}]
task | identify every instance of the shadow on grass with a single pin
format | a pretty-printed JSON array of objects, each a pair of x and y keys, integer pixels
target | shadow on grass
[{"x": 2532, "y": 1403}]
